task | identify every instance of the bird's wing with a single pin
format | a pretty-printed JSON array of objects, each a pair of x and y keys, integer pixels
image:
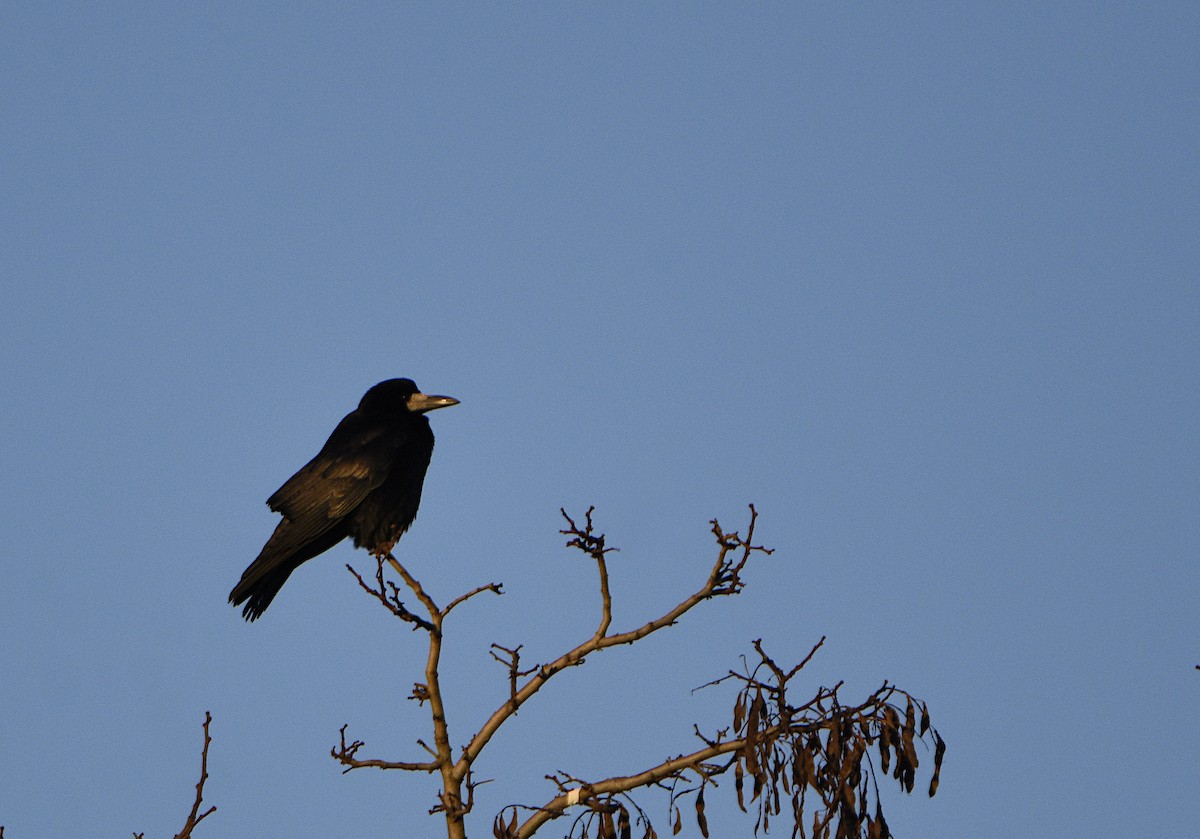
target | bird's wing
[{"x": 337, "y": 480}]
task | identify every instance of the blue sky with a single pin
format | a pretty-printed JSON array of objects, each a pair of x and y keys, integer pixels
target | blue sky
[{"x": 917, "y": 279}]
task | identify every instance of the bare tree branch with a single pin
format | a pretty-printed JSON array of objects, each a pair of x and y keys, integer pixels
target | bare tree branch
[
  {"x": 450, "y": 801},
  {"x": 513, "y": 664},
  {"x": 195, "y": 816},
  {"x": 817, "y": 748},
  {"x": 723, "y": 579},
  {"x": 387, "y": 593},
  {"x": 494, "y": 588},
  {"x": 345, "y": 755},
  {"x": 435, "y": 614}
]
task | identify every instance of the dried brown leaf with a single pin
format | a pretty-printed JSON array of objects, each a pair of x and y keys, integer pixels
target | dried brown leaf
[
  {"x": 750, "y": 756},
  {"x": 754, "y": 717},
  {"x": 737, "y": 783},
  {"x": 910, "y": 749},
  {"x": 805, "y": 769},
  {"x": 833, "y": 744},
  {"x": 939, "y": 751},
  {"x": 891, "y": 725},
  {"x": 607, "y": 829}
]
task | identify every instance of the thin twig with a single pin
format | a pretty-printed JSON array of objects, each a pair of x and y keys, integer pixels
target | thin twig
[
  {"x": 495, "y": 588},
  {"x": 195, "y": 816},
  {"x": 391, "y": 601},
  {"x": 345, "y": 755}
]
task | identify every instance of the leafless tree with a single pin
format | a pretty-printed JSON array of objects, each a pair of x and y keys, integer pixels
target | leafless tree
[{"x": 809, "y": 762}]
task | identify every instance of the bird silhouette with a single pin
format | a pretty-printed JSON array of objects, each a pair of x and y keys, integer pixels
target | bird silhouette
[{"x": 364, "y": 484}]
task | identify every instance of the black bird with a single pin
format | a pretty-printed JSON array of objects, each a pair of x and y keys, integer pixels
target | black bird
[{"x": 365, "y": 483}]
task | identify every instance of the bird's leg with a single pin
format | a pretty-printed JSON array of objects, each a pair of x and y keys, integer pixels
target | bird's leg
[{"x": 384, "y": 549}]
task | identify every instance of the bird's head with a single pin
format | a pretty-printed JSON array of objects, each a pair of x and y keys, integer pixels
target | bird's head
[{"x": 402, "y": 395}]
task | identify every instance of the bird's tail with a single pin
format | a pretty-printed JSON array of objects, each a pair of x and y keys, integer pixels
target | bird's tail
[
  {"x": 258, "y": 591},
  {"x": 284, "y": 552}
]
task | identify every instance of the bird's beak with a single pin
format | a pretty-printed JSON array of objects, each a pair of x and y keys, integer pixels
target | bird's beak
[{"x": 419, "y": 403}]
